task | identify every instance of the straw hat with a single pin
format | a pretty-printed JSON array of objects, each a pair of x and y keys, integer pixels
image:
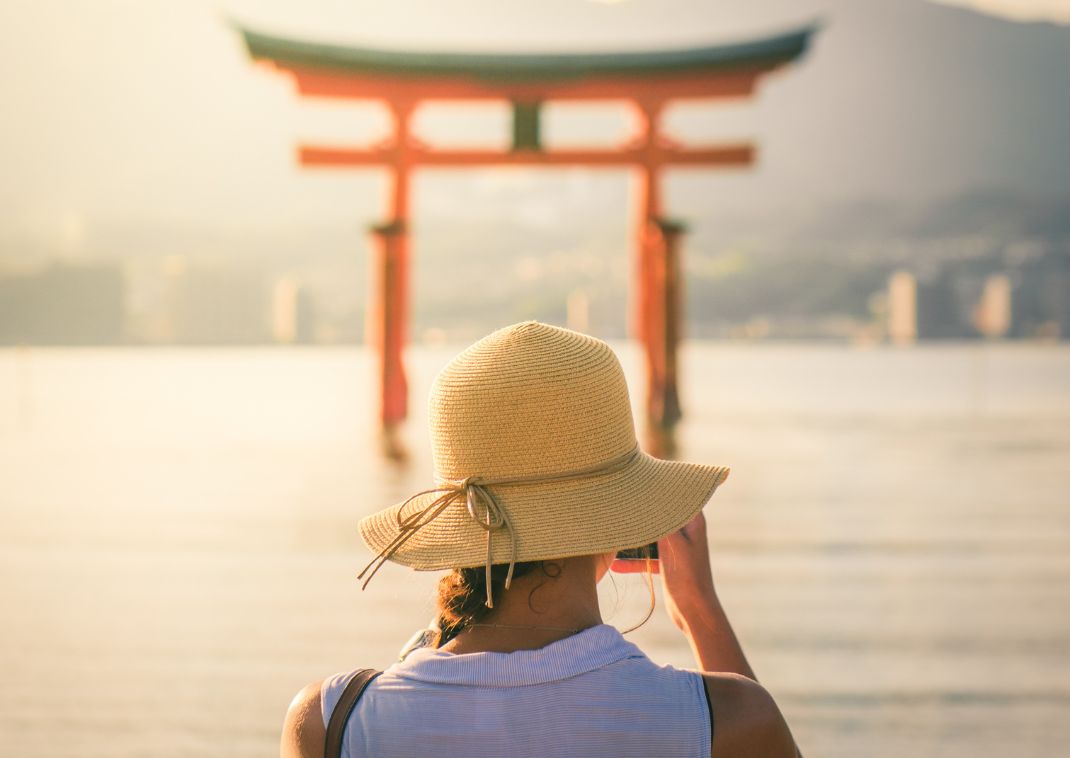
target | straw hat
[{"x": 535, "y": 457}]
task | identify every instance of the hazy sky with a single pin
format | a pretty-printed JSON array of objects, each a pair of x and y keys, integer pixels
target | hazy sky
[{"x": 121, "y": 113}]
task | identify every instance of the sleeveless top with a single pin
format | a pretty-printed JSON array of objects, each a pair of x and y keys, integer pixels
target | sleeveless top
[{"x": 590, "y": 694}]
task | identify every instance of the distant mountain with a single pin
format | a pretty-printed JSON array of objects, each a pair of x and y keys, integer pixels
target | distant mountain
[{"x": 914, "y": 100}]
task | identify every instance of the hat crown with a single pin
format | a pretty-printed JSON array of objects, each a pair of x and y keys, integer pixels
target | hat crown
[{"x": 529, "y": 399}]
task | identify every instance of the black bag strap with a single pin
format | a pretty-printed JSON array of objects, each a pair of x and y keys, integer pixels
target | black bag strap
[{"x": 350, "y": 695}]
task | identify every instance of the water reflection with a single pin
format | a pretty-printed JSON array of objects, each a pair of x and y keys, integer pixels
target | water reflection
[{"x": 191, "y": 517}]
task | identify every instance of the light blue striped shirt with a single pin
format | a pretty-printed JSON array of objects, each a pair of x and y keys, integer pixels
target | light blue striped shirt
[{"x": 590, "y": 694}]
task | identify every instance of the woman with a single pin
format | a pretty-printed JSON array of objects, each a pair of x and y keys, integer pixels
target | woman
[{"x": 540, "y": 482}]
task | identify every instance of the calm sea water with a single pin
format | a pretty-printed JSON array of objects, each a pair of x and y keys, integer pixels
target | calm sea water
[{"x": 178, "y": 542}]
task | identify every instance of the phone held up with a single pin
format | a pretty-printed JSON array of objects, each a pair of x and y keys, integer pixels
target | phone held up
[{"x": 639, "y": 553}]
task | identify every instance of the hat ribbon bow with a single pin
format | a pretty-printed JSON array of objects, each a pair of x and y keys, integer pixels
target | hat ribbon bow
[{"x": 482, "y": 508}]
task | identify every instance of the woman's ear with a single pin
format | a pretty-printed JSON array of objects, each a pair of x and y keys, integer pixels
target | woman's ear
[{"x": 602, "y": 563}]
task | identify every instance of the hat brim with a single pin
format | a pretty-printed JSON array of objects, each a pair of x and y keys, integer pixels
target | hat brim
[{"x": 641, "y": 503}]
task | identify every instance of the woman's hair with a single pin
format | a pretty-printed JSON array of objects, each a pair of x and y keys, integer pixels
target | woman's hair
[{"x": 462, "y": 594}]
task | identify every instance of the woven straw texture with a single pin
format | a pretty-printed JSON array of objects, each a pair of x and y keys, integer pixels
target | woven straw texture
[{"x": 530, "y": 400}]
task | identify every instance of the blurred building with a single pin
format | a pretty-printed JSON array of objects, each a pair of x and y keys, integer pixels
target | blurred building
[
  {"x": 63, "y": 304},
  {"x": 218, "y": 305},
  {"x": 902, "y": 308},
  {"x": 292, "y": 314},
  {"x": 993, "y": 314},
  {"x": 948, "y": 304},
  {"x": 578, "y": 311}
]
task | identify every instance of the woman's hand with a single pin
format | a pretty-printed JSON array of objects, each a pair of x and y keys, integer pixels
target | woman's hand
[
  {"x": 684, "y": 565},
  {"x": 685, "y": 572}
]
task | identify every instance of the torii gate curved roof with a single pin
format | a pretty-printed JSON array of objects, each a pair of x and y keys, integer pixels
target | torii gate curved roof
[{"x": 723, "y": 69}]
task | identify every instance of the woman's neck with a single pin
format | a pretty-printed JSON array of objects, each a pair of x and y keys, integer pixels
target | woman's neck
[{"x": 537, "y": 610}]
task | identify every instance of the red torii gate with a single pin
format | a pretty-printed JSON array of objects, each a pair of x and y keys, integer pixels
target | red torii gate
[{"x": 646, "y": 80}]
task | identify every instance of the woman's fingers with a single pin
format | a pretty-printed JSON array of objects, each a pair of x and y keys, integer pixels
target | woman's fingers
[
  {"x": 684, "y": 566},
  {"x": 685, "y": 560},
  {"x": 694, "y": 529},
  {"x": 687, "y": 544}
]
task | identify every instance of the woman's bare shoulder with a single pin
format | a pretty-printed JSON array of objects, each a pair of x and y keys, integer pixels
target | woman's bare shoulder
[
  {"x": 303, "y": 734},
  {"x": 746, "y": 720}
]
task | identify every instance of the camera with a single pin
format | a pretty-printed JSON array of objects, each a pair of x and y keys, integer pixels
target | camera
[{"x": 639, "y": 553}]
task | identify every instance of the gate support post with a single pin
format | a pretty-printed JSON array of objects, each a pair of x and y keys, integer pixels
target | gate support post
[
  {"x": 665, "y": 315},
  {"x": 388, "y": 305},
  {"x": 386, "y": 319}
]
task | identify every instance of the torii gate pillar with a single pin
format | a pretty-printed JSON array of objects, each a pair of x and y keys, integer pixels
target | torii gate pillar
[
  {"x": 385, "y": 322},
  {"x": 665, "y": 317},
  {"x": 387, "y": 319},
  {"x": 656, "y": 298}
]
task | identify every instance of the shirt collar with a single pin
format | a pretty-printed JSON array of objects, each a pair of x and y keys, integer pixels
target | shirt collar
[{"x": 593, "y": 648}]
